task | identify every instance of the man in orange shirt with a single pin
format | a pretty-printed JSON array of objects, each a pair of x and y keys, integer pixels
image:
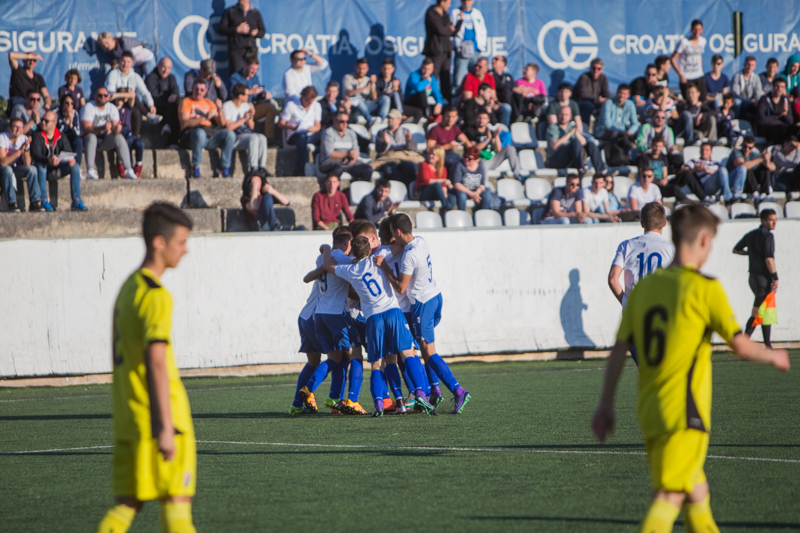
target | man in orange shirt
[{"x": 201, "y": 128}]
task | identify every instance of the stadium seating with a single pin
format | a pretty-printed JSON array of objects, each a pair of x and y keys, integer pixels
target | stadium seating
[
  {"x": 792, "y": 209},
  {"x": 399, "y": 193},
  {"x": 523, "y": 136},
  {"x": 427, "y": 220},
  {"x": 771, "y": 205},
  {"x": 457, "y": 219},
  {"x": 621, "y": 187},
  {"x": 358, "y": 190},
  {"x": 742, "y": 211},
  {"x": 418, "y": 133},
  {"x": 586, "y": 181},
  {"x": 512, "y": 191},
  {"x": 503, "y": 168},
  {"x": 691, "y": 152},
  {"x": 720, "y": 210},
  {"x": 559, "y": 182},
  {"x": 487, "y": 218},
  {"x": 537, "y": 214},
  {"x": 518, "y": 217},
  {"x": 537, "y": 190},
  {"x": 531, "y": 161}
]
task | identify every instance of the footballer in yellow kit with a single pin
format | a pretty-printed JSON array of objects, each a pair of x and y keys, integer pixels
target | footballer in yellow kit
[
  {"x": 154, "y": 444},
  {"x": 670, "y": 317}
]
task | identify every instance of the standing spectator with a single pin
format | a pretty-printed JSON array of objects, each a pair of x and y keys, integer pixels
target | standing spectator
[
  {"x": 258, "y": 201},
  {"x": 663, "y": 65},
  {"x": 565, "y": 205},
  {"x": 376, "y": 205},
  {"x": 301, "y": 122},
  {"x": 769, "y": 74},
  {"x": 591, "y": 90},
  {"x": 643, "y": 191},
  {"x": 688, "y": 60},
  {"x": 746, "y": 89},
  {"x": 642, "y": 88},
  {"x": 450, "y": 137},
  {"x": 388, "y": 85},
  {"x": 144, "y": 61},
  {"x": 438, "y": 45},
  {"x": 469, "y": 182},
  {"x": 504, "y": 84},
  {"x": 330, "y": 104},
  {"x": 339, "y": 151},
  {"x": 31, "y": 112},
  {"x": 773, "y": 116},
  {"x": 619, "y": 120},
  {"x": 201, "y": 128},
  {"x": 240, "y": 118},
  {"x": 46, "y": 145},
  {"x": 564, "y": 99},
  {"x": 138, "y": 98},
  {"x": 483, "y": 101},
  {"x": 242, "y": 25},
  {"x": 257, "y": 95},
  {"x": 432, "y": 183},
  {"x": 595, "y": 201},
  {"x": 71, "y": 80},
  {"x": 25, "y": 79},
  {"x": 360, "y": 90},
  {"x": 298, "y": 77},
  {"x": 716, "y": 82},
  {"x": 470, "y": 41},
  {"x": 478, "y": 75},
  {"x": 15, "y": 164},
  {"x": 530, "y": 92},
  {"x": 396, "y": 150},
  {"x": 656, "y": 128},
  {"x": 69, "y": 124},
  {"x": 328, "y": 205},
  {"x": 565, "y": 145},
  {"x": 164, "y": 89},
  {"x": 752, "y": 168},
  {"x": 488, "y": 140},
  {"x": 207, "y": 75},
  {"x": 787, "y": 165},
  {"x": 423, "y": 97},
  {"x": 791, "y": 73},
  {"x": 706, "y": 177},
  {"x": 102, "y": 131},
  {"x": 698, "y": 120},
  {"x": 135, "y": 144}
]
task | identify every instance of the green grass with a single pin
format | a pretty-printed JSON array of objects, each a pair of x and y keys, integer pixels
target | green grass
[{"x": 533, "y": 412}]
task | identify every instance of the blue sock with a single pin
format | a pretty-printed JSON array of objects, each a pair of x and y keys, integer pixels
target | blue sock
[
  {"x": 433, "y": 379},
  {"x": 443, "y": 371},
  {"x": 415, "y": 372},
  {"x": 376, "y": 385},
  {"x": 338, "y": 373},
  {"x": 302, "y": 379},
  {"x": 320, "y": 374},
  {"x": 356, "y": 378},
  {"x": 426, "y": 382},
  {"x": 393, "y": 373},
  {"x": 385, "y": 393},
  {"x": 404, "y": 372},
  {"x": 345, "y": 364}
]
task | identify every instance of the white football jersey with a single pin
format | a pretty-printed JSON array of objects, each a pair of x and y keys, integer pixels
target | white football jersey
[
  {"x": 311, "y": 302},
  {"x": 417, "y": 264},
  {"x": 395, "y": 262},
  {"x": 332, "y": 290},
  {"x": 642, "y": 255},
  {"x": 370, "y": 284}
]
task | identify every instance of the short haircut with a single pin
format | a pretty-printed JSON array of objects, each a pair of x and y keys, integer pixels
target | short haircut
[
  {"x": 727, "y": 96},
  {"x": 715, "y": 58},
  {"x": 483, "y": 87},
  {"x": 208, "y": 66},
  {"x": 332, "y": 83},
  {"x": 646, "y": 168},
  {"x": 749, "y": 139},
  {"x": 73, "y": 72},
  {"x": 32, "y": 91},
  {"x": 766, "y": 213},
  {"x": 239, "y": 89},
  {"x": 473, "y": 151},
  {"x": 534, "y": 66},
  {"x": 388, "y": 61},
  {"x": 597, "y": 61},
  {"x": 127, "y": 54},
  {"x": 772, "y": 61},
  {"x": 365, "y": 228},
  {"x": 565, "y": 85},
  {"x": 691, "y": 85},
  {"x": 706, "y": 143},
  {"x": 571, "y": 177},
  {"x": 624, "y": 87},
  {"x": 162, "y": 218},
  {"x": 341, "y": 112},
  {"x": 401, "y": 222},
  {"x": 16, "y": 119},
  {"x": 427, "y": 61},
  {"x": 688, "y": 221},
  {"x": 660, "y": 60},
  {"x": 385, "y": 231},
  {"x": 362, "y": 61},
  {"x": 777, "y": 80},
  {"x": 653, "y": 216},
  {"x": 309, "y": 91},
  {"x": 657, "y": 139},
  {"x": 198, "y": 81},
  {"x": 383, "y": 183},
  {"x": 360, "y": 247},
  {"x": 749, "y": 58},
  {"x": 649, "y": 66},
  {"x": 501, "y": 58},
  {"x": 450, "y": 109},
  {"x": 295, "y": 52},
  {"x": 251, "y": 59},
  {"x": 342, "y": 235},
  {"x": 697, "y": 22},
  {"x": 484, "y": 112}
]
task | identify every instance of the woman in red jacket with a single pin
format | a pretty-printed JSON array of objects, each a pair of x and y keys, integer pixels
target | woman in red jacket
[{"x": 432, "y": 182}]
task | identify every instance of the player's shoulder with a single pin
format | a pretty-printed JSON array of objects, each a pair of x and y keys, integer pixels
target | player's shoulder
[{"x": 150, "y": 285}]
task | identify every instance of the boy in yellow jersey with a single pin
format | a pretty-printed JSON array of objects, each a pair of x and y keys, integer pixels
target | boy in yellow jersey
[
  {"x": 669, "y": 318},
  {"x": 154, "y": 446}
]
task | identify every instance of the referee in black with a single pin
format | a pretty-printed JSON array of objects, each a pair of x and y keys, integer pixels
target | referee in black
[{"x": 759, "y": 246}]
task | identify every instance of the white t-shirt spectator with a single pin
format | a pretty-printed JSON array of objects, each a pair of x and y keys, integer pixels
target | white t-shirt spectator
[
  {"x": 652, "y": 194},
  {"x": 11, "y": 148},
  {"x": 350, "y": 82},
  {"x": 234, "y": 113},
  {"x": 690, "y": 57},
  {"x": 294, "y": 82},
  {"x": 98, "y": 116},
  {"x": 294, "y": 113},
  {"x": 594, "y": 201}
]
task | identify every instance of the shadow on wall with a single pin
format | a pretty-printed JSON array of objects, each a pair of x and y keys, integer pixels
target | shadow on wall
[
  {"x": 572, "y": 308},
  {"x": 375, "y": 51},
  {"x": 556, "y": 78},
  {"x": 97, "y": 75},
  {"x": 342, "y": 57},
  {"x": 217, "y": 45}
]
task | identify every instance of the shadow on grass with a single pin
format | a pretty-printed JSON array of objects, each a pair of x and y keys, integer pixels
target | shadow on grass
[
  {"x": 102, "y": 416},
  {"x": 588, "y": 520}
]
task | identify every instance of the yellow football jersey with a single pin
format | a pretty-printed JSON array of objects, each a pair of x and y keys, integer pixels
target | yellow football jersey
[
  {"x": 669, "y": 318},
  {"x": 143, "y": 315}
]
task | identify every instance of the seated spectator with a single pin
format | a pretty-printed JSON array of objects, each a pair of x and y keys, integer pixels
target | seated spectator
[
  {"x": 72, "y": 78},
  {"x": 657, "y": 127},
  {"x": 46, "y": 146},
  {"x": 489, "y": 141},
  {"x": 423, "y": 96},
  {"x": 258, "y": 95},
  {"x": 469, "y": 183},
  {"x": 663, "y": 163},
  {"x": 773, "y": 116},
  {"x": 478, "y": 75},
  {"x": 138, "y": 98},
  {"x": 705, "y": 177},
  {"x": 565, "y": 145},
  {"x": 613, "y": 201},
  {"x": 298, "y": 77},
  {"x": 301, "y": 124},
  {"x": 565, "y": 205},
  {"x": 662, "y": 101},
  {"x": 135, "y": 144},
  {"x": 564, "y": 99},
  {"x": 164, "y": 89},
  {"x": 642, "y": 88},
  {"x": 725, "y": 117},
  {"x": 339, "y": 151},
  {"x": 25, "y": 79},
  {"x": 470, "y": 40},
  {"x": 69, "y": 124},
  {"x": 15, "y": 164},
  {"x": 716, "y": 82},
  {"x": 591, "y": 90},
  {"x": 787, "y": 165},
  {"x": 31, "y": 112},
  {"x": 376, "y": 205},
  {"x": 239, "y": 116},
  {"x": 144, "y": 61},
  {"x": 328, "y": 204},
  {"x": 450, "y": 137},
  {"x": 483, "y": 101},
  {"x": 769, "y": 74},
  {"x": 750, "y": 167},
  {"x": 747, "y": 90},
  {"x": 331, "y": 103},
  {"x": 258, "y": 201},
  {"x": 698, "y": 120},
  {"x": 619, "y": 120},
  {"x": 207, "y": 74},
  {"x": 387, "y": 84},
  {"x": 103, "y": 131},
  {"x": 360, "y": 91},
  {"x": 643, "y": 191},
  {"x": 530, "y": 92},
  {"x": 595, "y": 201},
  {"x": 432, "y": 183},
  {"x": 504, "y": 84},
  {"x": 791, "y": 73},
  {"x": 396, "y": 150},
  {"x": 201, "y": 128}
]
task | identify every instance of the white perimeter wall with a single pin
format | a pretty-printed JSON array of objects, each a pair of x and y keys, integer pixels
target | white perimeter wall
[{"x": 237, "y": 297}]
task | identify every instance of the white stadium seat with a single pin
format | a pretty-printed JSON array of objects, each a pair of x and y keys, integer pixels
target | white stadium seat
[
  {"x": 428, "y": 219},
  {"x": 771, "y": 205},
  {"x": 418, "y": 133},
  {"x": 537, "y": 189},
  {"x": 537, "y": 214},
  {"x": 487, "y": 218},
  {"x": 358, "y": 190},
  {"x": 738, "y": 210},
  {"x": 691, "y": 152},
  {"x": 720, "y": 210},
  {"x": 518, "y": 217},
  {"x": 586, "y": 181},
  {"x": 360, "y": 130},
  {"x": 399, "y": 193},
  {"x": 559, "y": 182},
  {"x": 503, "y": 168},
  {"x": 531, "y": 161},
  {"x": 792, "y": 209},
  {"x": 512, "y": 191},
  {"x": 621, "y": 187},
  {"x": 457, "y": 219},
  {"x": 523, "y": 136}
]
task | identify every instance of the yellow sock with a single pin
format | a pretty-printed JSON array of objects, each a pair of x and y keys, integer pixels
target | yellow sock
[
  {"x": 699, "y": 518},
  {"x": 117, "y": 520},
  {"x": 660, "y": 518},
  {"x": 176, "y": 517}
]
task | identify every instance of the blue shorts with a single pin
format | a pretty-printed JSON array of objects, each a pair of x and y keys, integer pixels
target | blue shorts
[
  {"x": 308, "y": 336},
  {"x": 332, "y": 332},
  {"x": 387, "y": 333},
  {"x": 410, "y": 320},
  {"x": 356, "y": 329},
  {"x": 426, "y": 317}
]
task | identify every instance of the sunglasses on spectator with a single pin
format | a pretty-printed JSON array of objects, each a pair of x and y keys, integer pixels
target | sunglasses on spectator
[
  {"x": 648, "y": 175},
  {"x": 470, "y": 158},
  {"x": 299, "y": 58},
  {"x": 32, "y": 99},
  {"x": 102, "y": 95},
  {"x": 662, "y": 117},
  {"x": 748, "y": 146},
  {"x": 44, "y": 120},
  {"x": 341, "y": 121},
  {"x": 597, "y": 68},
  {"x": 573, "y": 184},
  {"x": 69, "y": 102}
]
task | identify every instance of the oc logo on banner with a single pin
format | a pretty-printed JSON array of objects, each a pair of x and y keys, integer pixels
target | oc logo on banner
[{"x": 583, "y": 46}]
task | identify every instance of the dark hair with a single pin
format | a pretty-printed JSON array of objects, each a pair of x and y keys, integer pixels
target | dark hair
[
  {"x": 727, "y": 96},
  {"x": 251, "y": 59},
  {"x": 401, "y": 222},
  {"x": 356, "y": 224},
  {"x": 778, "y": 79},
  {"x": 198, "y": 81},
  {"x": 295, "y": 52},
  {"x": 597, "y": 61},
  {"x": 697, "y": 22},
  {"x": 688, "y": 221},
  {"x": 483, "y": 87},
  {"x": 503, "y": 58},
  {"x": 365, "y": 227},
  {"x": 427, "y": 61},
  {"x": 362, "y": 61},
  {"x": 127, "y": 54},
  {"x": 72, "y": 72},
  {"x": 715, "y": 58},
  {"x": 706, "y": 143},
  {"x": 332, "y": 83},
  {"x": 660, "y": 60},
  {"x": 449, "y": 109},
  {"x": 309, "y": 91},
  {"x": 16, "y": 119},
  {"x": 239, "y": 89},
  {"x": 565, "y": 85},
  {"x": 691, "y": 85},
  {"x": 385, "y": 230},
  {"x": 749, "y": 58},
  {"x": 360, "y": 247},
  {"x": 624, "y": 87},
  {"x": 340, "y": 112},
  {"x": 388, "y": 61},
  {"x": 772, "y": 60},
  {"x": 646, "y": 168},
  {"x": 383, "y": 183},
  {"x": 342, "y": 235},
  {"x": 766, "y": 213},
  {"x": 649, "y": 66},
  {"x": 749, "y": 139},
  {"x": 653, "y": 216},
  {"x": 32, "y": 91},
  {"x": 534, "y": 66},
  {"x": 657, "y": 139},
  {"x": 161, "y": 218},
  {"x": 64, "y": 99},
  {"x": 571, "y": 177},
  {"x": 484, "y": 112}
]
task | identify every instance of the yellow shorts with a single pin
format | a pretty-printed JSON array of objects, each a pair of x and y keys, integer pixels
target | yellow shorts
[
  {"x": 140, "y": 470},
  {"x": 676, "y": 460}
]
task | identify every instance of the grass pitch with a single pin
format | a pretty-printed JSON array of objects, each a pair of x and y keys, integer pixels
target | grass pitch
[{"x": 521, "y": 457}]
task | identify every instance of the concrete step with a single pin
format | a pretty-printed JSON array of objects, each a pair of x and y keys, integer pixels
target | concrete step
[
  {"x": 226, "y": 193},
  {"x": 120, "y": 193},
  {"x": 176, "y": 163}
]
